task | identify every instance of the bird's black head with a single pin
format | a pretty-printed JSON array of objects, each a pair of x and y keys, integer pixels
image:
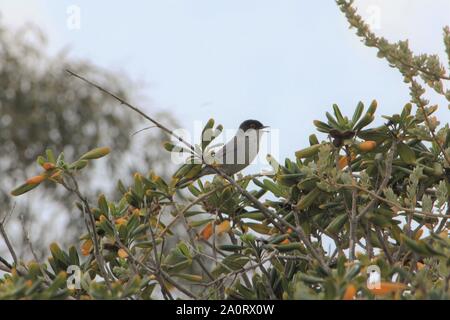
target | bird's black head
[{"x": 251, "y": 124}]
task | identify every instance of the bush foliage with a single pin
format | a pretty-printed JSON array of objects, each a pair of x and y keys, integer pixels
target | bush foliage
[{"x": 365, "y": 197}]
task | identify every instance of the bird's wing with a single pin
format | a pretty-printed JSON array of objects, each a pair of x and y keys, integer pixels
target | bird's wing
[{"x": 240, "y": 150}]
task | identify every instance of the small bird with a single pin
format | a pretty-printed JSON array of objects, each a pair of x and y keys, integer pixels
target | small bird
[{"x": 237, "y": 153}]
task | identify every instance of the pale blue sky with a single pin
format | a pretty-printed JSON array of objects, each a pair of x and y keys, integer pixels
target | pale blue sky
[{"x": 282, "y": 62}]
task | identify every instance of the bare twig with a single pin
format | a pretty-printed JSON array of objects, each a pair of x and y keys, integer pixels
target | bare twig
[
  {"x": 30, "y": 245},
  {"x": 5, "y": 236},
  {"x": 143, "y": 114}
]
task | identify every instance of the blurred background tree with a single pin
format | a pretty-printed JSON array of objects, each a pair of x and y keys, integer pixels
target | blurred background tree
[{"x": 42, "y": 107}]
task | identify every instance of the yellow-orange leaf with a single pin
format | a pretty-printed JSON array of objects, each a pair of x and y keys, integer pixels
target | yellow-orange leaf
[
  {"x": 207, "y": 231},
  {"x": 122, "y": 253},
  {"x": 96, "y": 153},
  {"x": 285, "y": 241},
  {"x": 350, "y": 292},
  {"x": 388, "y": 287},
  {"x": 86, "y": 247},
  {"x": 223, "y": 227},
  {"x": 418, "y": 234},
  {"x": 121, "y": 221},
  {"x": 35, "y": 180}
]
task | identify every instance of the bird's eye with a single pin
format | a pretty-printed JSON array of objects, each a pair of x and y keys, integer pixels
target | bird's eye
[{"x": 252, "y": 126}]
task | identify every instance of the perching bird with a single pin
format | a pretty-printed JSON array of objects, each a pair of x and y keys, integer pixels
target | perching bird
[{"x": 237, "y": 153}]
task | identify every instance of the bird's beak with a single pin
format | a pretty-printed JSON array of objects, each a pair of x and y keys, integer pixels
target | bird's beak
[{"x": 265, "y": 127}]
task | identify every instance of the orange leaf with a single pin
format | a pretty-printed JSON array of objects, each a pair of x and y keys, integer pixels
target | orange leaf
[
  {"x": 420, "y": 265},
  {"x": 285, "y": 241},
  {"x": 122, "y": 253},
  {"x": 349, "y": 292},
  {"x": 207, "y": 231},
  {"x": 367, "y": 146},
  {"x": 224, "y": 227},
  {"x": 343, "y": 161},
  {"x": 86, "y": 247},
  {"x": 35, "y": 180},
  {"x": 388, "y": 287}
]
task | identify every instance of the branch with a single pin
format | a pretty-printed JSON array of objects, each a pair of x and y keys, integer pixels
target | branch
[
  {"x": 6, "y": 264},
  {"x": 384, "y": 183},
  {"x": 95, "y": 240}
]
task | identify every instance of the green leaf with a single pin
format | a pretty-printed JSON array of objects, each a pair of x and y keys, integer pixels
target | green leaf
[
  {"x": 308, "y": 152},
  {"x": 307, "y": 200},
  {"x": 103, "y": 204},
  {"x": 24, "y": 188},
  {"x": 259, "y": 227},
  {"x": 339, "y": 116},
  {"x": 230, "y": 247},
  {"x": 96, "y": 153},
  {"x": 322, "y": 126},
  {"x": 373, "y": 107},
  {"x": 337, "y": 223},
  {"x": 290, "y": 247},
  {"x": 313, "y": 140},
  {"x": 406, "y": 153},
  {"x": 50, "y": 156},
  {"x": 78, "y": 165},
  {"x": 365, "y": 121},
  {"x": 189, "y": 277},
  {"x": 207, "y": 134},
  {"x": 232, "y": 262},
  {"x": 73, "y": 256},
  {"x": 358, "y": 112},
  {"x": 199, "y": 223}
]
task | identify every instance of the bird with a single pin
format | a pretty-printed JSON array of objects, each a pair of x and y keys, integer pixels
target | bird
[{"x": 236, "y": 154}]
